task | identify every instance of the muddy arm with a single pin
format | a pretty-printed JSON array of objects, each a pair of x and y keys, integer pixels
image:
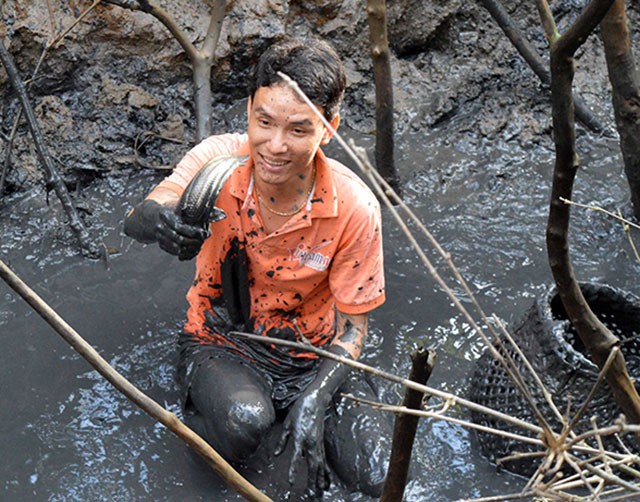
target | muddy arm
[{"x": 305, "y": 422}]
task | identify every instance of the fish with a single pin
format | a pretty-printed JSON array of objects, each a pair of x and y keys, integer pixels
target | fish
[{"x": 197, "y": 204}]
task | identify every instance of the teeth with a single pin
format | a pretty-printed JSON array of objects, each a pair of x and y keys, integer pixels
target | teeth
[{"x": 275, "y": 163}]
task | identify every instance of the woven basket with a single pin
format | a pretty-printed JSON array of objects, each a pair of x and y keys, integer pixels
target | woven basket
[{"x": 548, "y": 340}]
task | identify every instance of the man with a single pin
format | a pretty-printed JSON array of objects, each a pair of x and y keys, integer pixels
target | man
[{"x": 299, "y": 257}]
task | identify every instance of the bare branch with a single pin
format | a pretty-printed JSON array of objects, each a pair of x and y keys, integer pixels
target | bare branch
[
  {"x": 548, "y": 23},
  {"x": 161, "y": 15},
  {"x": 215, "y": 27},
  {"x": 56, "y": 41},
  {"x": 148, "y": 405},
  {"x": 86, "y": 242}
]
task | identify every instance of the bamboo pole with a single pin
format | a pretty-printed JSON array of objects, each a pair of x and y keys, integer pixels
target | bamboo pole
[{"x": 148, "y": 405}]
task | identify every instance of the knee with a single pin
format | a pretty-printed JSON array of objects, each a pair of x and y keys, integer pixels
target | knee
[
  {"x": 359, "y": 449},
  {"x": 238, "y": 433},
  {"x": 248, "y": 422}
]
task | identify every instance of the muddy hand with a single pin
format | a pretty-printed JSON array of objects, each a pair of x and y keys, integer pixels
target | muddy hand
[
  {"x": 305, "y": 426},
  {"x": 178, "y": 238}
]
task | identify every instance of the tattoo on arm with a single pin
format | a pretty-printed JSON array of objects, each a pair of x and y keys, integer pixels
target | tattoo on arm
[{"x": 351, "y": 330}]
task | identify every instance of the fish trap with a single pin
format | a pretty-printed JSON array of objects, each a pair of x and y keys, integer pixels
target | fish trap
[{"x": 550, "y": 343}]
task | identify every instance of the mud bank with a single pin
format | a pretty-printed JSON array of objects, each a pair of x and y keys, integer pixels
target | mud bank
[{"x": 115, "y": 94}]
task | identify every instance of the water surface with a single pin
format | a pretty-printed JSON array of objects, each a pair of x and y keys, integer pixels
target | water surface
[{"x": 66, "y": 434}]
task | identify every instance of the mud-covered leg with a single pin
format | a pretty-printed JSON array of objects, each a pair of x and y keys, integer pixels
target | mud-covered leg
[
  {"x": 358, "y": 439},
  {"x": 230, "y": 406}
]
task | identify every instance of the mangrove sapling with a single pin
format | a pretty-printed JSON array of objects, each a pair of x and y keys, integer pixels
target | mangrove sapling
[
  {"x": 625, "y": 86},
  {"x": 535, "y": 62},
  {"x": 405, "y": 427},
  {"x": 596, "y": 337},
  {"x": 201, "y": 60},
  {"x": 88, "y": 245},
  {"x": 377, "y": 16}
]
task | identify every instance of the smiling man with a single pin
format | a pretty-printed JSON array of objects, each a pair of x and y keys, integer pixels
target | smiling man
[{"x": 298, "y": 257}]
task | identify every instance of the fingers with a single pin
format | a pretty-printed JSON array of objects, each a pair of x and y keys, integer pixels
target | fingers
[
  {"x": 282, "y": 442},
  {"x": 173, "y": 221},
  {"x": 318, "y": 474},
  {"x": 296, "y": 460},
  {"x": 178, "y": 238}
]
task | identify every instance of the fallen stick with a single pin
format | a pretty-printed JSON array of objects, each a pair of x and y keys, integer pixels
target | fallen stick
[
  {"x": 446, "y": 396},
  {"x": 148, "y": 405},
  {"x": 405, "y": 427}
]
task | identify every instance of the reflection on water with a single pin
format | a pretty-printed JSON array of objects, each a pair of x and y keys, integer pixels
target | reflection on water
[{"x": 68, "y": 435}]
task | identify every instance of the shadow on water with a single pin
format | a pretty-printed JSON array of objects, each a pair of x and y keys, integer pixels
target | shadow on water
[{"x": 68, "y": 435}]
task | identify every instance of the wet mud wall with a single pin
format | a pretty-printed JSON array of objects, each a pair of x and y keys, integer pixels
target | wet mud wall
[{"x": 116, "y": 92}]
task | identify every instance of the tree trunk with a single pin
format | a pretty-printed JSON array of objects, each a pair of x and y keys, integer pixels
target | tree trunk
[
  {"x": 625, "y": 82},
  {"x": 596, "y": 337},
  {"x": 201, "y": 60},
  {"x": 377, "y": 11}
]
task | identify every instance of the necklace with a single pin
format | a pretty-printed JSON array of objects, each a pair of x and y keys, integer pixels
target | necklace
[{"x": 298, "y": 209}]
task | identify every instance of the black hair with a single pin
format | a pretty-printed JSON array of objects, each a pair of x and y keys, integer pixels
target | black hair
[{"x": 312, "y": 63}]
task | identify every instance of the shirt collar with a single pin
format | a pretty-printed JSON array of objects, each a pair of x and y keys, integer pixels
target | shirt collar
[{"x": 324, "y": 201}]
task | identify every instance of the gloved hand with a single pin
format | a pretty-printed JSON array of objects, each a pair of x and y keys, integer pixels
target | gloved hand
[
  {"x": 153, "y": 222},
  {"x": 179, "y": 238},
  {"x": 305, "y": 424}
]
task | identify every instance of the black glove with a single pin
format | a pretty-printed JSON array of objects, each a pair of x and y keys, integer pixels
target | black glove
[
  {"x": 179, "y": 238},
  {"x": 152, "y": 222},
  {"x": 305, "y": 424}
]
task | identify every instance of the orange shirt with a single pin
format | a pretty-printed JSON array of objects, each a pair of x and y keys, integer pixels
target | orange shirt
[{"x": 328, "y": 255}]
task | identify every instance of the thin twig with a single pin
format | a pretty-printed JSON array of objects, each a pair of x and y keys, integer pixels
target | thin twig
[
  {"x": 391, "y": 377},
  {"x": 56, "y": 41},
  {"x": 627, "y": 231},
  {"x": 596, "y": 386},
  {"x": 141, "y": 139},
  {"x": 384, "y": 190},
  {"x": 602, "y": 210}
]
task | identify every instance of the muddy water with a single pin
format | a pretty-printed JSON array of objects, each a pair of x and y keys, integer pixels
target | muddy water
[{"x": 65, "y": 434}]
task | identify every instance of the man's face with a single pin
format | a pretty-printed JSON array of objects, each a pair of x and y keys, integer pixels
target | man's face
[{"x": 284, "y": 135}]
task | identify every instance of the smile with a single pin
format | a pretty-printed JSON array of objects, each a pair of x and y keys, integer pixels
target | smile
[{"x": 273, "y": 164}]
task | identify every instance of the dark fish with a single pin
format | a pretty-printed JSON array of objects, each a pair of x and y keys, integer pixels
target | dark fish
[{"x": 197, "y": 204}]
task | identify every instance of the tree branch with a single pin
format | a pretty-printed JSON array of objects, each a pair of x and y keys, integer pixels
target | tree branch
[
  {"x": 596, "y": 337},
  {"x": 86, "y": 243},
  {"x": 535, "y": 62}
]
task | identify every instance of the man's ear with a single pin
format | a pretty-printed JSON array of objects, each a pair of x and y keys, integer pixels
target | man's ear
[{"x": 328, "y": 133}]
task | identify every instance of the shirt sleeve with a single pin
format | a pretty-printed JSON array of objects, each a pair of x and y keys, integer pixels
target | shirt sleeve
[
  {"x": 198, "y": 156},
  {"x": 357, "y": 272}
]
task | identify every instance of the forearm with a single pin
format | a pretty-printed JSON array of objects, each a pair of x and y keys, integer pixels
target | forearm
[{"x": 351, "y": 331}]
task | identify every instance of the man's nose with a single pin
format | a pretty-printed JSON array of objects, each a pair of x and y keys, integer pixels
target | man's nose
[{"x": 278, "y": 141}]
